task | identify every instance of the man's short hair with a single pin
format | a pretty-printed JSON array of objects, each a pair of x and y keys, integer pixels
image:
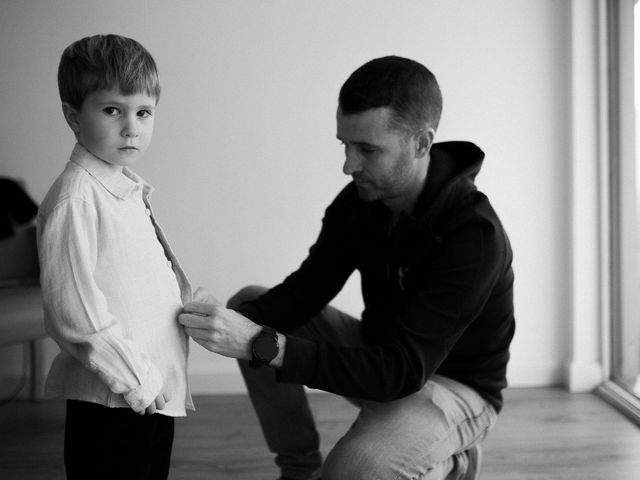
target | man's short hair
[
  {"x": 404, "y": 85},
  {"x": 104, "y": 62}
]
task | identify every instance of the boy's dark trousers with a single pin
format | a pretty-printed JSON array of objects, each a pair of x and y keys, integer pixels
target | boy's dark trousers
[{"x": 116, "y": 443}]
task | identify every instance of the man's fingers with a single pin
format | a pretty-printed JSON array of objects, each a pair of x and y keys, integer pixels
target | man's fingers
[
  {"x": 195, "y": 320},
  {"x": 198, "y": 308},
  {"x": 202, "y": 343},
  {"x": 193, "y": 332},
  {"x": 200, "y": 335},
  {"x": 202, "y": 295}
]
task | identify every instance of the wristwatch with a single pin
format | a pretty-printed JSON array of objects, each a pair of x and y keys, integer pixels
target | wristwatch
[{"x": 264, "y": 347}]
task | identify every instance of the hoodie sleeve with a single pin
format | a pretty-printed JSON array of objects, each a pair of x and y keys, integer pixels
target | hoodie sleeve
[
  {"x": 312, "y": 286},
  {"x": 439, "y": 303}
]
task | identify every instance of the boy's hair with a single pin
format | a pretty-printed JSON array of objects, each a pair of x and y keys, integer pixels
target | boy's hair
[
  {"x": 407, "y": 87},
  {"x": 103, "y": 62}
]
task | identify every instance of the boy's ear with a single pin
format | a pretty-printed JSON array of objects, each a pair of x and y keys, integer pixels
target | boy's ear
[{"x": 71, "y": 116}]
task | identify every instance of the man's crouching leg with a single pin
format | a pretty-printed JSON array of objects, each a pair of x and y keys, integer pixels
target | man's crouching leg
[
  {"x": 283, "y": 411},
  {"x": 428, "y": 435}
]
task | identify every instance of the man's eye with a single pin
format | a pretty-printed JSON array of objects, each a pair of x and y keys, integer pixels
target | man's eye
[
  {"x": 111, "y": 111},
  {"x": 144, "y": 113}
]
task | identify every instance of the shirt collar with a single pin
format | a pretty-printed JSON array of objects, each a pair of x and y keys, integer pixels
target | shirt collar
[{"x": 119, "y": 183}]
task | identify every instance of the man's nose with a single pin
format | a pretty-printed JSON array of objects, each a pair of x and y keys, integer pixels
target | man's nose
[{"x": 352, "y": 162}]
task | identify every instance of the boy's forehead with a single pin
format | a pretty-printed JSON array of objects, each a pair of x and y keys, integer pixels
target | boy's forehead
[{"x": 116, "y": 95}]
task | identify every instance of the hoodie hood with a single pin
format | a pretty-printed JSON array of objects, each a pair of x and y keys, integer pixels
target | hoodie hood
[
  {"x": 448, "y": 193},
  {"x": 449, "y": 199},
  {"x": 451, "y": 175}
]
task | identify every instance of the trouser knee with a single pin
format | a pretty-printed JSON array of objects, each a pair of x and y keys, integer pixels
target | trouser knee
[
  {"x": 353, "y": 461},
  {"x": 246, "y": 294},
  {"x": 359, "y": 459}
]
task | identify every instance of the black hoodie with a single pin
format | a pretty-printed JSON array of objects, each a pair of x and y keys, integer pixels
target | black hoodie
[{"x": 437, "y": 290}]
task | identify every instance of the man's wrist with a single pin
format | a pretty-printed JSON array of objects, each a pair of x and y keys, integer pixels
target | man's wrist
[
  {"x": 279, "y": 359},
  {"x": 265, "y": 347},
  {"x": 256, "y": 331}
]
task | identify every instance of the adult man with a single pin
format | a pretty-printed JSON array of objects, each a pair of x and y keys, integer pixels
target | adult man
[{"x": 427, "y": 362}]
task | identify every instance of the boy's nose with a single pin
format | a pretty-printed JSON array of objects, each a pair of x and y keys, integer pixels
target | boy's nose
[
  {"x": 129, "y": 132},
  {"x": 130, "y": 129}
]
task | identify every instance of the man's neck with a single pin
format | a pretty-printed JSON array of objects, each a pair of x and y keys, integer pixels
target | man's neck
[{"x": 407, "y": 202}]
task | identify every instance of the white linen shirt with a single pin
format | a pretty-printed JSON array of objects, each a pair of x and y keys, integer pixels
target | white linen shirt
[{"x": 112, "y": 290}]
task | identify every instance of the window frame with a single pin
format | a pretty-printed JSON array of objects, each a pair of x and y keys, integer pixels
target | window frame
[{"x": 618, "y": 115}]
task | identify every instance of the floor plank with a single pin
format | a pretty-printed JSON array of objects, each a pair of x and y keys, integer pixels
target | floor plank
[{"x": 542, "y": 433}]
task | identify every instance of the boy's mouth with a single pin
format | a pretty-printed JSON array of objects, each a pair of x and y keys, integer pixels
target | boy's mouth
[{"x": 129, "y": 148}]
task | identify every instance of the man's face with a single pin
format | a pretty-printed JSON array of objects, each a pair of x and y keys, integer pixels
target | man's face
[
  {"x": 114, "y": 127},
  {"x": 383, "y": 162}
]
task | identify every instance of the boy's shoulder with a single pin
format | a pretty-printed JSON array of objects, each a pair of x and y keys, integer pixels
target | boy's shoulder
[
  {"x": 87, "y": 179},
  {"x": 73, "y": 183}
]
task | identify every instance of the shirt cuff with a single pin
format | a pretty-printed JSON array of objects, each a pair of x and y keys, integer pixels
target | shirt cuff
[{"x": 143, "y": 395}]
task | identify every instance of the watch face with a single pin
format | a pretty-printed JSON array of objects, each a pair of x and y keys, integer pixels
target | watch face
[{"x": 265, "y": 348}]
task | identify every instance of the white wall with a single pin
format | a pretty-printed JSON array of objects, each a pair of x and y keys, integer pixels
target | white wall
[{"x": 245, "y": 158}]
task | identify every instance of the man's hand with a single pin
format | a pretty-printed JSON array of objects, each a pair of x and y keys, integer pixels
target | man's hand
[
  {"x": 217, "y": 328},
  {"x": 158, "y": 404}
]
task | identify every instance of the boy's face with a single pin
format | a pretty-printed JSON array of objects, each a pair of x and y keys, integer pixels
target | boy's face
[{"x": 114, "y": 127}]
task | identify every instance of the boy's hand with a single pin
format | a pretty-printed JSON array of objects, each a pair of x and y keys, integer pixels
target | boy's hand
[{"x": 158, "y": 404}]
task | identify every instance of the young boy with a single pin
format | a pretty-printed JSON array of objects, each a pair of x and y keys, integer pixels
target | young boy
[{"x": 112, "y": 287}]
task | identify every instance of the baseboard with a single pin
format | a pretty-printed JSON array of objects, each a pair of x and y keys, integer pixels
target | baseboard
[
  {"x": 583, "y": 376},
  {"x": 216, "y": 383},
  {"x": 525, "y": 375},
  {"x": 227, "y": 381},
  {"x": 13, "y": 385}
]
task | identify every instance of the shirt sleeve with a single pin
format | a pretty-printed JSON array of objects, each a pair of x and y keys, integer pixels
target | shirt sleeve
[{"x": 77, "y": 312}]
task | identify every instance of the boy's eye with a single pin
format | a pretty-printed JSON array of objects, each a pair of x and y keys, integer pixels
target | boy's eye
[
  {"x": 111, "y": 111},
  {"x": 144, "y": 113}
]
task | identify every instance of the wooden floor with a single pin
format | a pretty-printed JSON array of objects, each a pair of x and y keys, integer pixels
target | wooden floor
[{"x": 541, "y": 434}]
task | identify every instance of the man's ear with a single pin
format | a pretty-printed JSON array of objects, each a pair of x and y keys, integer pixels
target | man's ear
[
  {"x": 71, "y": 116},
  {"x": 425, "y": 140}
]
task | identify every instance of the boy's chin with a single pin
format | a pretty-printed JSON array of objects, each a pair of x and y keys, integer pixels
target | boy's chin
[{"x": 121, "y": 159}]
